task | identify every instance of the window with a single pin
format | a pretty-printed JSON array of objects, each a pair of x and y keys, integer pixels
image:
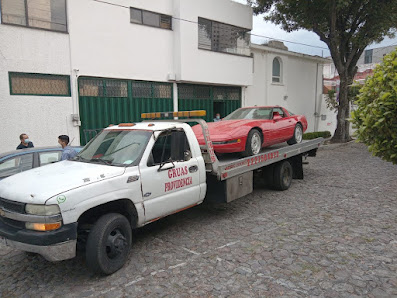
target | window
[
  {"x": 170, "y": 146},
  {"x": 368, "y": 56},
  {"x": 116, "y": 147},
  {"x": 91, "y": 87},
  {"x": 44, "y": 14},
  {"x": 276, "y": 70},
  {"x": 16, "y": 165},
  {"x": 219, "y": 37},
  {"x": 280, "y": 111},
  {"x": 149, "y": 18},
  {"x": 39, "y": 84},
  {"x": 49, "y": 157}
]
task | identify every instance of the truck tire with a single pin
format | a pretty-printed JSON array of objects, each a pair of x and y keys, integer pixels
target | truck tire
[
  {"x": 108, "y": 244},
  {"x": 282, "y": 175},
  {"x": 254, "y": 143},
  {"x": 298, "y": 135}
]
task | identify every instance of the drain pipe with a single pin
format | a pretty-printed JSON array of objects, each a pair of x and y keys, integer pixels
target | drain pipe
[{"x": 316, "y": 116}]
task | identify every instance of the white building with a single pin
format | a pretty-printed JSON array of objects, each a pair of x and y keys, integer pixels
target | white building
[
  {"x": 292, "y": 80},
  {"x": 70, "y": 62},
  {"x": 75, "y": 66}
]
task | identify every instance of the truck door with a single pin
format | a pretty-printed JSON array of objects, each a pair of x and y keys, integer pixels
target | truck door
[{"x": 169, "y": 176}]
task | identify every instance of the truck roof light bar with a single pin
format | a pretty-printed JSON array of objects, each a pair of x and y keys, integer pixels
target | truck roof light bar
[{"x": 187, "y": 114}]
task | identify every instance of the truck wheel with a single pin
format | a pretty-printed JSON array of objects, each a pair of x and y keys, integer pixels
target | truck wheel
[
  {"x": 108, "y": 244},
  {"x": 254, "y": 143},
  {"x": 282, "y": 175},
  {"x": 298, "y": 135}
]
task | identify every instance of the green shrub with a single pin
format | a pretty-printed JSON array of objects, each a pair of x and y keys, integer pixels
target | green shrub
[
  {"x": 317, "y": 134},
  {"x": 376, "y": 115}
]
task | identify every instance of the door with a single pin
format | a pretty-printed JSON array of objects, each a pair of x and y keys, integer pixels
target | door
[
  {"x": 169, "y": 176},
  {"x": 16, "y": 164},
  {"x": 283, "y": 127},
  {"x": 109, "y": 101}
]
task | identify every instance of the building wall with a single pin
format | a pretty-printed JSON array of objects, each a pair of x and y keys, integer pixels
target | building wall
[
  {"x": 377, "y": 55},
  {"x": 198, "y": 65},
  {"x": 43, "y": 118},
  {"x": 300, "y": 90},
  {"x": 110, "y": 46},
  {"x": 105, "y": 44},
  {"x": 102, "y": 42}
]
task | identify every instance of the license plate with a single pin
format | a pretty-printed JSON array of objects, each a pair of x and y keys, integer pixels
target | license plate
[{"x": 3, "y": 241}]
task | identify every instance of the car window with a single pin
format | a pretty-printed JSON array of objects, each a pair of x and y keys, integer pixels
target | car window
[
  {"x": 49, "y": 157},
  {"x": 249, "y": 114},
  {"x": 280, "y": 111},
  {"x": 16, "y": 165}
]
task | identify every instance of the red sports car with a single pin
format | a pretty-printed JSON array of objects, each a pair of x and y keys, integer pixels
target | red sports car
[{"x": 248, "y": 130}]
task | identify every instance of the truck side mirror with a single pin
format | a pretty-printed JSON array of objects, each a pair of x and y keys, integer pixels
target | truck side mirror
[{"x": 187, "y": 155}]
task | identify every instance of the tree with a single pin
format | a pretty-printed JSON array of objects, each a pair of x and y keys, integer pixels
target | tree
[
  {"x": 376, "y": 115},
  {"x": 346, "y": 26}
]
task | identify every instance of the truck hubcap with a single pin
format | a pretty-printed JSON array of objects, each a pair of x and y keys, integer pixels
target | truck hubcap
[{"x": 116, "y": 244}]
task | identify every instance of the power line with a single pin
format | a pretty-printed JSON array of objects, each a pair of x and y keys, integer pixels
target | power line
[{"x": 194, "y": 22}]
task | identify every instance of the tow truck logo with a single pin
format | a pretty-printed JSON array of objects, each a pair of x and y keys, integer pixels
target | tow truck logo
[{"x": 182, "y": 182}]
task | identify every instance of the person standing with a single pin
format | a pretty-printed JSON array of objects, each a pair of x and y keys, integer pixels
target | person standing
[
  {"x": 68, "y": 152},
  {"x": 217, "y": 117},
  {"x": 25, "y": 142}
]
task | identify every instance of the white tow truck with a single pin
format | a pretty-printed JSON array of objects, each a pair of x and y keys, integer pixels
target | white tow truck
[{"x": 128, "y": 176}]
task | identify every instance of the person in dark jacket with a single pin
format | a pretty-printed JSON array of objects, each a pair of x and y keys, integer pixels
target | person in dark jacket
[{"x": 25, "y": 142}]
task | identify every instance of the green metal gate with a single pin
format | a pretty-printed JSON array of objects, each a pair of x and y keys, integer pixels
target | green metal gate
[
  {"x": 110, "y": 101},
  {"x": 213, "y": 99}
]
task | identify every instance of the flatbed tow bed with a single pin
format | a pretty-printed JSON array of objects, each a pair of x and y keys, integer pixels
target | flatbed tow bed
[{"x": 233, "y": 177}]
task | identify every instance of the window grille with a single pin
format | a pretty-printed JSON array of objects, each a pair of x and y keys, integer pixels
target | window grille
[
  {"x": 44, "y": 14},
  {"x": 162, "y": 91},
  {"x": 39, "y": 84},
  {"x": 91, "y": 87},
  {"x": 226, "y": 93},
  {"x": 141, "y": 90},
  {"x": 116, "y": 88}
]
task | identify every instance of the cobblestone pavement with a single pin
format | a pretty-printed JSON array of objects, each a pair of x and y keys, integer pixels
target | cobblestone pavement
[{"x": 331, "y": 234}]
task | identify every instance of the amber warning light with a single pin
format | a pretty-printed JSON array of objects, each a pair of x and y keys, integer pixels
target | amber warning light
[{"x": 188, "y": 114}]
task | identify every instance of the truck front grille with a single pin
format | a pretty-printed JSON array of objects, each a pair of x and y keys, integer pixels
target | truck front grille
[{"x": 12, "y": 206}]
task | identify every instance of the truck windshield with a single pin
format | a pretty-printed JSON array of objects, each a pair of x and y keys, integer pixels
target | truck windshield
[{"x": 116, "y": 147}]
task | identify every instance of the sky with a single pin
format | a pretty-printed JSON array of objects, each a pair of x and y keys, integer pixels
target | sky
[{"x": 317, "y": 47}]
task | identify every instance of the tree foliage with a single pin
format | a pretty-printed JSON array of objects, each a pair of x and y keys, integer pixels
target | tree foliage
[
  {"x": 376, "y": 115},
  {"x": 346, "y": 26}
]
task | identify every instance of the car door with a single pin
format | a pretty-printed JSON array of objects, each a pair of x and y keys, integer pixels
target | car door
[
  {"x": 16, "y": 164},
  {"x": 169, "y": 176},
  {"x": 282, "y": 126}
]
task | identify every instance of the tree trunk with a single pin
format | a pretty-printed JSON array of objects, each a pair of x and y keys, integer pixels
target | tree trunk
[{"x": 342, "y": 132}]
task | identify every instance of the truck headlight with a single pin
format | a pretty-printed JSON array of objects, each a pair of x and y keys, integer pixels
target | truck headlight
[{"x": 42, "y": 209}]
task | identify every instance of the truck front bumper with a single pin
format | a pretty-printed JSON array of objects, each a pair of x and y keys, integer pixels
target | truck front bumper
[
  {"x": 57, "y": 252},
  {"x": 54, "y": 245}
]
